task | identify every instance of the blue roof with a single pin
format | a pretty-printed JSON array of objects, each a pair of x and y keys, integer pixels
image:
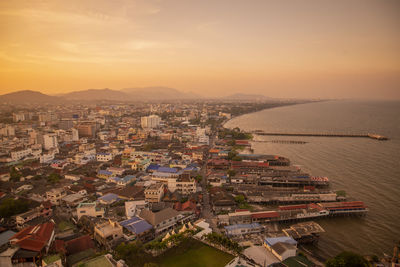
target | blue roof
[
  {"x": 153, "y": 167},
  {"x": 190, "y": 168},
  {"x": 128, "y": 178},
  {"x": 105, "y": 172},
  {"x": 109, "y": 197},
  {"x": 242, "y": 226},
  {"x": 167, "y": 169},
  {"x": 136, "y": 225},
  {"x": 282, "y": 239}
]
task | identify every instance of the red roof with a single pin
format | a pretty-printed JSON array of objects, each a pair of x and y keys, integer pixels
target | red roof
[
  {"x": 46, "y": 204},
  {"x": 59, "y": 246},
  {"x": 264, "y": 215},
  {"x": 186, "y": 206},
  {"x": 79, "y": 244},
  {"x": 34, "y": 238},
  {"x": 293, "y": 207}
]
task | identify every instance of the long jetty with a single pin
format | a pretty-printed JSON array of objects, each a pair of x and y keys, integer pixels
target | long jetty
[{"x": 369, "y": 135}]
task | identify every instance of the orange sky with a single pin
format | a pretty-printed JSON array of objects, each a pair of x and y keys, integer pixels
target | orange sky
[{"x": 299, "y": 48}]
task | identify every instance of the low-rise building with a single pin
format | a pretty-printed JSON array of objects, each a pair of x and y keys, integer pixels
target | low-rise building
[
  {"x": 55, "y": 195},
  {"x": 108, "y": 233},
  {"x": 282, "y": 247},
  {"x": 104, "y": 157},
  {"x": 163, "y": 220},
  {"x": 89, "y": 209},
  {"x": 243, "y": 229},
  {"x": 154, "y": 193}
]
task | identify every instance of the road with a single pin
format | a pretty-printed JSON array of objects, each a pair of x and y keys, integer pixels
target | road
[{"x": 206, "y": 211}]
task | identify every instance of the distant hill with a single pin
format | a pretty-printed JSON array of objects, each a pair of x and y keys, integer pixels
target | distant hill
[
  {"x": 158, "y": 93},
  {"x": 240, "y": 96},
  {"x": 29, "y": 97},
  {"x": 97, "y": 94}
]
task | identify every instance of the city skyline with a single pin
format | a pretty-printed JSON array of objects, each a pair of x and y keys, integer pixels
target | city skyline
[{"x": 305, "y": 49}]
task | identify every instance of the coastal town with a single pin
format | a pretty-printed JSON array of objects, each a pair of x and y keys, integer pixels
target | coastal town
[{"x": 152, "y": 184}]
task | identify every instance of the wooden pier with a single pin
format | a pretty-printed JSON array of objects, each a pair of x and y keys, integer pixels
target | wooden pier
[{"x": 369, "y": 135}]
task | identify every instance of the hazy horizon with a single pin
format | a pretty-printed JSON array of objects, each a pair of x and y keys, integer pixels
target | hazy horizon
[{"x": 301, "y": 49}]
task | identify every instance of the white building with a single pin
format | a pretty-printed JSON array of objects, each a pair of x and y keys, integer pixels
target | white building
[
  {"x": 50, "y": 141},
  {"x": 104, "y": 157},
  {"x": 20, "y": 153},
  {"x": 46, "y": 158},
  {"x": 7, "y": 130},
  {"x": 75, "y": 134},
  {"x": 55, "y": 195},
  {"x": 18, "y": 117},
  {"x": 151, "y": 121},
  {"x": 133, "y": 208},
  {"x": 89, "y": 209}
]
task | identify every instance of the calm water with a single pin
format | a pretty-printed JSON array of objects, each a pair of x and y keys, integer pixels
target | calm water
[{"x": 368, "y": 170}]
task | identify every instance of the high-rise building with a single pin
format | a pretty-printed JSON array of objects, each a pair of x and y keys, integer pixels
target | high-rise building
[
  {"x": 86, "y": 129},
  {"x": 50, "y": 141},
  {"x": 18, "y": 117},
  {"x": 66, "y": 124},
  {"x": 151, "y": 121}
]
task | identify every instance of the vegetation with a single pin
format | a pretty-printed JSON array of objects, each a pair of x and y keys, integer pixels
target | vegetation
[
  {"x": 10, "y": 207},
  {"x": 15, "y": 175},
  {"x": 53, "y": 178},
  {"x": 231, "y": 173},
  {"x": 195, "y": 254},
  {"x": 234, "y": 134},
  {"x": 241, "y": 201},
  {"x": 223, "y": 241},
  {"x": 347, "y": 259}
]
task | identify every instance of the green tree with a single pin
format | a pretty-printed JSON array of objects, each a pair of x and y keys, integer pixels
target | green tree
[
  {"x": 53, "y": 178},
  {"x": 15, "y": 175},
  {"x": 231, "y": 173},
  {"x": 347, "y": 259},
  {"x": 10, "y": 207}
]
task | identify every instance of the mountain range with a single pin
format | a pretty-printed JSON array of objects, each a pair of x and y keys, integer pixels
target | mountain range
[{"x": 124, "y": 95}]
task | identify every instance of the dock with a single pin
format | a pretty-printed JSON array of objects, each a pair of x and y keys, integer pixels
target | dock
[{"x": 368, "y": 135}]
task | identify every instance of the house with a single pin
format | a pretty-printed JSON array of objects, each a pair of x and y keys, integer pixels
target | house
[
  {"x": 73, "y": 200},
  {"x": 4, "y": 176},
  {"x": 163, "y": 220},
  {"x": 104, "y": 157},
  {"x": 104, "y": 174},
  {"x": 44, "y": 210},
  {"x": 72, "y": 177},
  {"x": 108, "y": 233},
  {"x": 33, "y": 242},
  {"x": 137, "y": 228},
  {"x": 130, "y": 192},
  {"x": 282, "y": 247},
  {"x": 89, "y": 209},
  {"x": 243, "y": 229},
  {"x": 108, "y": 199},
  {"x": 125, "y": 180},
  {"x": 55, "y": 195},
  {"x": 154, "y": 193},
  {"x": 133, "y": 208},
  {"x": 116, "y": 171},
  {"x": 187, "y": 207}
]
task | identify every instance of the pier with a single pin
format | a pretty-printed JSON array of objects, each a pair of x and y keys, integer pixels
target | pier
[{"x": 369, "y": 135}]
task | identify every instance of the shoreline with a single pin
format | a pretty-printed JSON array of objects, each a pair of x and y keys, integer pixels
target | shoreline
[{"x": 279, "y": 106}]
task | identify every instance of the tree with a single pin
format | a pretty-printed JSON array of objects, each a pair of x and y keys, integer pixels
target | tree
[
  {"x": 231, "y": 173},
  {"x": 347, "y": 259},
  {"x": 10, "y": 207},
  {"x": 53, "y": 178},
  {"x": 15, "y": 175}
]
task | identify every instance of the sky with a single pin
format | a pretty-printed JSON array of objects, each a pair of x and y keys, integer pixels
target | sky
[{"x": 282, "y": 48}]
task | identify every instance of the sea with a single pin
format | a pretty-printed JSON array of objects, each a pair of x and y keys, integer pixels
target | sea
[{"x": 367, "y": 169}]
